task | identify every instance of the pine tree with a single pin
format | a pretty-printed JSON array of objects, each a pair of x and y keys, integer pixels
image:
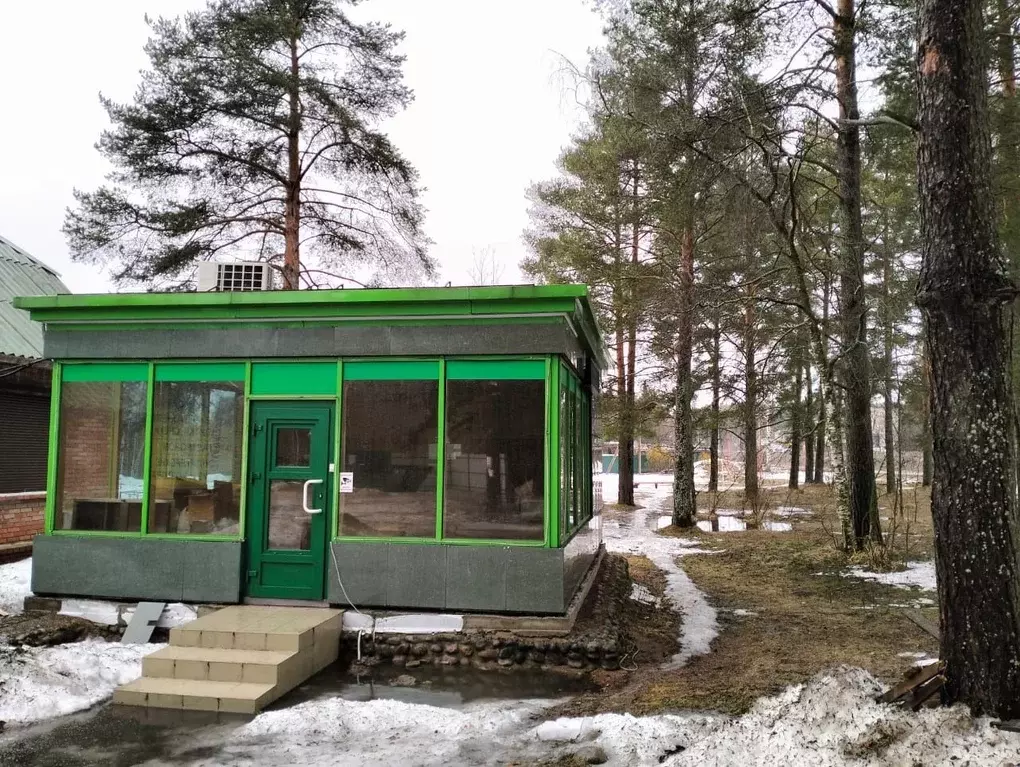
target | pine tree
[
  {"x": 964, "y": 283},
  {"x": 255, "y": 132}
]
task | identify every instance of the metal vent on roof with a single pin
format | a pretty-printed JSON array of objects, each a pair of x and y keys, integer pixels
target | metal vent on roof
[{"x": 238, "y": 276}]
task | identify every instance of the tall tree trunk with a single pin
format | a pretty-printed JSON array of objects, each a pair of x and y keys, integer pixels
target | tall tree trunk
[
  {"x": 808, "y": 419},
  {"x": 750, "y": 408},
  {"x": 795, "y": 415},
  {"x": 630, "y": 379},
  {"x": 926, "y": 456},
  {"x": 684, "y": 508},
  {"x": 713, "y": 443},
  {"x": 854, "y": 366},
  {"x": 626, "y": 425},
  {"x": 821, "y": 428},
  {"x": 292, "y": 189},
  {"x": 889, "y": 416},
  {"x": 963, "y": 284}
]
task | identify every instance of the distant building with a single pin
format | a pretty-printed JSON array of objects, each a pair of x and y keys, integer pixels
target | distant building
[{"x": 24, "y": 399}]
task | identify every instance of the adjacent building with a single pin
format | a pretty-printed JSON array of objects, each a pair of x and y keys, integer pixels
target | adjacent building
[
  {"x": 24, "y": 399},
  {"x": 394, "y": 448}
]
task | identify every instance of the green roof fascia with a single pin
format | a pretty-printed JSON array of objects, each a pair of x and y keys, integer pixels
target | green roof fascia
[
  {"x": 383, "y": 303},
  {"x": 306, "y": 298}
]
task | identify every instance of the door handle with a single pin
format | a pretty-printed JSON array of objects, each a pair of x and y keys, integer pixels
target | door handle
[{"x": 304, "y": 496}]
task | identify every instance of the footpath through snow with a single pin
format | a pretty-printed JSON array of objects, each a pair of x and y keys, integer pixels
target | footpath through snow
[{"x": 699, "y": 620}]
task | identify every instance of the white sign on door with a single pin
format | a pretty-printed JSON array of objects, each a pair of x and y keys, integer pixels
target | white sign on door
[{"x": 346, "y": 481}]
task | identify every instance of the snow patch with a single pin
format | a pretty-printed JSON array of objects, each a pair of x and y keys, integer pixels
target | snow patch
[
  {"x": 699, "y": 624},
  {"x": 790, "y": 511},
  {"x": 42, "y": 682},
  {"x": 917, "y": 575},
  {"x": 15, "y": 585},
  {"x": 641, "y": 594}
]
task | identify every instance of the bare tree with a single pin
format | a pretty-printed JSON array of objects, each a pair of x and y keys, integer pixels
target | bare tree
[{"x": 486, "y": 268}]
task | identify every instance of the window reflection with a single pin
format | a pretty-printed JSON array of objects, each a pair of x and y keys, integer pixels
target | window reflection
[{"x": 495, "y": 434}]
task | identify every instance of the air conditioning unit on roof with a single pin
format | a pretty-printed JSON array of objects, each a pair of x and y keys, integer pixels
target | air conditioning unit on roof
[{"x": 239, "y": 275}]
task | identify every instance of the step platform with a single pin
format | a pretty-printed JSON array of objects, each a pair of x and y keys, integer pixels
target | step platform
[{"x": 237, "y": 660}]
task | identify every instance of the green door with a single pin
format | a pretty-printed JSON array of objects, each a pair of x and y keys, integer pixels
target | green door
[{"x": 288, "y": 511}]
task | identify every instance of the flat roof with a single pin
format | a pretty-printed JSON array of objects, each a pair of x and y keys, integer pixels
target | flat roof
[{"x": 96, "y": 310}]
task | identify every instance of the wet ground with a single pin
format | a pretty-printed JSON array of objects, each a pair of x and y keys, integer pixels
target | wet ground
[{"x": 120, "y": 736}]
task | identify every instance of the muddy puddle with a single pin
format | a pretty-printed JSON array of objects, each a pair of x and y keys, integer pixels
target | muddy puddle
[
  {"x": 119, "y": 736},
  {"x": 729, "y": 521}
]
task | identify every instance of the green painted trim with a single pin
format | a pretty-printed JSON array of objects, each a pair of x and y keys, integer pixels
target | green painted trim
[
  {"x": 104, "y": 372},
  {"x": 98, "y": 533},
  {"x": 393, "y": 370},
  {"x": 295, "y": 378},
  {"x": 148, "y": 536},
  {"x": 200, "y": 371},
  {"x": 495, "y": 370},
  {"x": 333, "y": 528},
  {"x": 150, "y": 406},
  {"x": 368, "y": 296},
  {"x": 242, "y": 511},
  {"x": 441, "y": 451},
  {"x": 546, "y": 520},
  {"x": 92, "y": 327},
  {"x": 553, "y": 489},
  {"x": 450, "y": 541},
  {"x": 53, "y": 450},
  {"x": 289, "y": 397}
]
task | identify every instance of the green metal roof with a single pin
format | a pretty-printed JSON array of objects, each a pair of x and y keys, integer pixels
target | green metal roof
[
  {"x": 464, "y": 303},
  {"x": 22, "y": 275}
]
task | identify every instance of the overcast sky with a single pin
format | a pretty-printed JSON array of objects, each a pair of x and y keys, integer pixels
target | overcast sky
[{"x": 492, "y": 110}]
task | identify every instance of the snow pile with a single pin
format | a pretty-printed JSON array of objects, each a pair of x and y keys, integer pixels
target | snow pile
[
  {"x": 15, "y": 585},
  {"x": 917, "y": 574},
  {"x": 699, "y": 625},
  {"x": 834, "y": 720},
  {"x": 378, "y": 732},
  {"x": 41, "y": 682}
]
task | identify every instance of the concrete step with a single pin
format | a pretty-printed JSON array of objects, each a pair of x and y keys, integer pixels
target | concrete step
[
  {"x": 258, "y": 628},
  {"x": 219, "y": 665},
  {"x": 238, "y": 659},
  {"x": 196, "y": 695}
]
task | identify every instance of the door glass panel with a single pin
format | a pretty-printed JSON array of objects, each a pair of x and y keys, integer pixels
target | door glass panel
[
  {"x": 293, "y": 447},
  {"x": 289, "y": 524}
]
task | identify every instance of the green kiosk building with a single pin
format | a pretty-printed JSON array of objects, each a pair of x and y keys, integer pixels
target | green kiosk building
[{"x": 413, "y": 449}]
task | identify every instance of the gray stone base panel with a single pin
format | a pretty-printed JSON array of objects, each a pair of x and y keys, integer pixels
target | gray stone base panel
[
  {"x": 500, "y": 579},
  {"x": 137, "y": 568}
]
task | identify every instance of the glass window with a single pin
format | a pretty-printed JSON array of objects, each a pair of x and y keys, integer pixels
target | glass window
[
  {"x": 495, "y": 438},
  {"x": 102, "y": 449},
  {"x": 196, "y": 457},
  {"x": 294, "y": 447},
  {"x": 390, "y": 433}
]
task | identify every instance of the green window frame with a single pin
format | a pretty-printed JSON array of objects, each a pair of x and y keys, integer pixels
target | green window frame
[
  {"x": 502, "y": 369},
  {"x": 575, "y": 454},
  {"x": 150, "y": 372},
  {"x": 392, "y": 370},
  {"x": 276, "y": 379}
]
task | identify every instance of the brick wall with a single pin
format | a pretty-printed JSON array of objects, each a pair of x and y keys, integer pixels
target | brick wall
[
  {"x": 87, "y": 432},
  {"x": 21, "y": 517}
]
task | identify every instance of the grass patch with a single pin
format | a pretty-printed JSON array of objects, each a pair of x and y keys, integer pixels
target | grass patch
[{"x": 799, "y": 616}]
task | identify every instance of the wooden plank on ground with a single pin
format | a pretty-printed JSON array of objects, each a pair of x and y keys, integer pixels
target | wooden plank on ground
[
  {"x": 919, "y": 620},
  {"x": 915, "y": 679}
]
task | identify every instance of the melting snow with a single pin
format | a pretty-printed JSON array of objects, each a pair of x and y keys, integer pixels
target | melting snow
[
  {"x": 42, "y": 682},
  {"x": 917, "y": 574},
  {"x": 832, "y": 721},
  {"x": 699, "y": 624},
  {"x": 641, "y": 594},
  {"x": 15, "y": 585}
]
